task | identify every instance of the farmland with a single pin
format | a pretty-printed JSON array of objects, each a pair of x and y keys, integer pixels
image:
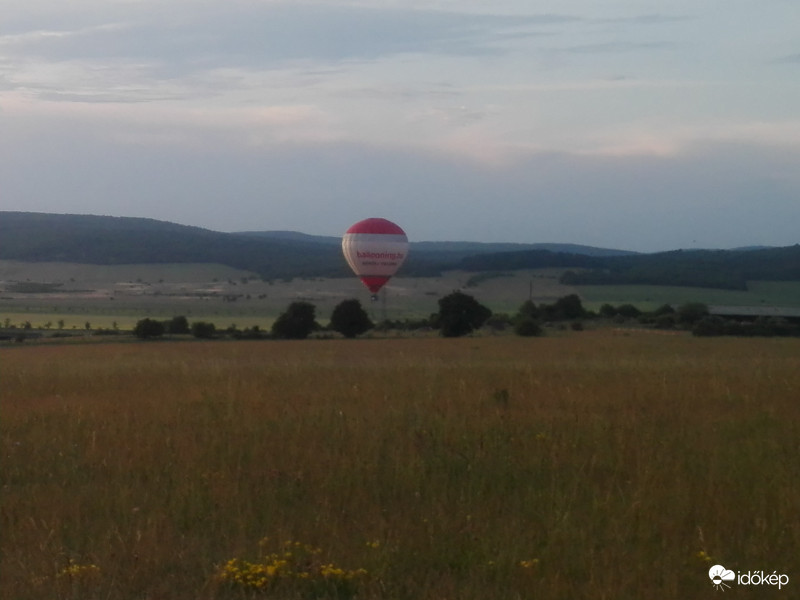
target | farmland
[
  {"x": 103, "y": 295},
  {"x": 599, "y": 464},
  {"x": 51, "y": 292}
]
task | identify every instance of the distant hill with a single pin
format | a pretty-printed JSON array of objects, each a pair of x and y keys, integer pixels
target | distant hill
[
  {"x": 448, "y": 251},
  {"x": 472, "y": 248},
  {"x": 292, "y": 236},
  {"x": 91, "y": 239},
  {"x": 723, "y": 269}
]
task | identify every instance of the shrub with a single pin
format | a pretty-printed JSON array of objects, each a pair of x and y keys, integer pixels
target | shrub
[
  {"x": 528, "y": 309},
  {"x": 297, "y": 322},
  {"x": 664, "y": 309},
  {"x": 350, "y": 319},
  {"x": 460, "y": 314},
  {"x": 691, "y": 313},
  {"x": 565, "y": 308},
  {"x": 528, "y": 328},
  {"x": 708, "y": 326},
  {"x": 664, "y": 321},
  {"x": 628, "y": 311},
  {"x": 203, "y": 330},
  {"x": 607, "y": 311},
  {"x": 178, "y": 325},
  {"x": 148, "y": 328},
  {"x": 570, "y": 307}
]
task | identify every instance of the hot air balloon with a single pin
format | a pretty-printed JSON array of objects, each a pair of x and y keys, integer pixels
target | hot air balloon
[{"x": 375, "y": 249}]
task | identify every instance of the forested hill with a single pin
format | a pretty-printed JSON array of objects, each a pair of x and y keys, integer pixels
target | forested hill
[
  {"x": 38, "y": 237},
  {"x": 92, "y": 239},
  {"x": 726, "y": 269},
  {"x": 272, "y": 254}
]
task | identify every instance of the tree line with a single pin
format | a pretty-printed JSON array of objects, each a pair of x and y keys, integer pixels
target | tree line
[
  {"x": 459, "y": 314},
  {"x": 721, "y": 269}
]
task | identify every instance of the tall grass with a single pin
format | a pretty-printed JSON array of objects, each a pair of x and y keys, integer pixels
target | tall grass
[{"x": 589, "y": 466}]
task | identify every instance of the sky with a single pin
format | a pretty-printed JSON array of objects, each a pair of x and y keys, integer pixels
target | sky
[{"x": 634, "y": 124}]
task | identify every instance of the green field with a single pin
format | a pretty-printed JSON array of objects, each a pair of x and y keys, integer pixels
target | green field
[
  {"x": 650, "y": 297},
  {"x": 51, "y": 293},
  {"x": 103, "y": 295},
  {"x": 599, "y": 464}
]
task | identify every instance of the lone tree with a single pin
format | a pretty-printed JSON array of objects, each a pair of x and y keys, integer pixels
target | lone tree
[
  {"x": 203, "y": 330},
  {"x": 527, "y": 327},
  {"x": 350, "y": 319},
  {"x": 179, "y": 324},
  {"x": 528, "y": 310},
  {"x": 296, "y": 323},
  {"x": 460, "y": 314},
  {"x": 526, "y": 321},
  {"x": 148, "y": 328},
  {"x": 566, "y": 307}
]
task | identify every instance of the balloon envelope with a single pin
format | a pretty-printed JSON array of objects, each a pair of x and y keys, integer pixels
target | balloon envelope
[{"x": 375, "y": 249}]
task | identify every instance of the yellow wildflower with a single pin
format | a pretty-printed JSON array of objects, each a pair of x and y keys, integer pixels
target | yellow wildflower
[
  {"x": 77, "y": 571},
  {"x": 703, "y": 556}
]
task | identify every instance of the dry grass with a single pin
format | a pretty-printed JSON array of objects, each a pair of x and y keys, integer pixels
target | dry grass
[{"x": 597, "y": 465}]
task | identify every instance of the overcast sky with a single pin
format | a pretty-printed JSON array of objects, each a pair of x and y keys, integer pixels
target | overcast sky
[{"x": 635, "y": 124}]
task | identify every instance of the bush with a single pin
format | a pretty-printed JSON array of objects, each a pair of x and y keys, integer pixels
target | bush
[
  {"x": 248, "y": 333},
  {"x": 297, "y": 322},
  {"x": 708, "y": 326},
  {"x": 570, "y": 307},
  {"x": 691, "y": 313},
  {"x": 607, "y": 311},
  {"x": 203, "y": 330},
  {"x": 460, "y": 314},
  {"x": 665, "y": 321},
  {"x": 664, "y": 309},
  {"x": 178, "y": 325},
  {"x": 628, "y": 310},
  {"x": 350, "y": 319},
  {"x": 565, "y": 308},
  {"x": 763, "y": 326},
  {"x": 528, "y": 309},
  {"x": 148, "y": 328},
  {"x": 528, "y": 327}
]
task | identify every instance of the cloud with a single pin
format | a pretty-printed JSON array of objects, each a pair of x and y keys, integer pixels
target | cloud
[
  {"x": 615, "y": 47},
  {"x": 470, "y": 119},
  {"x": 793, "y": 59},
  {"x": 647, "y": 19},
  {"x": 176, "y": 50},
  {"x": 262, "y": 35}
]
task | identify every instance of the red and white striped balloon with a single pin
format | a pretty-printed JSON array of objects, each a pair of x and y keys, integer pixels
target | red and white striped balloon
[{"x": 375, "y": 249}]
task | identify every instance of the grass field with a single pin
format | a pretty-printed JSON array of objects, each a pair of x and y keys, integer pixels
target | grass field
[
  {"x": 106, "y": 295},
  {"x": 120, "y": 295},
  {"x": 650, "y": 297},
  {"x": 592, "y": 465}
]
